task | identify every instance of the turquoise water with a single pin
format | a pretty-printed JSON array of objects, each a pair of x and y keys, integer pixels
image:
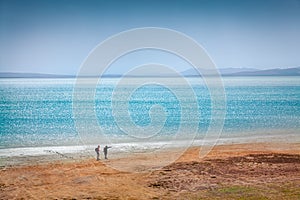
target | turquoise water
[{"x": 39, "y": 112}]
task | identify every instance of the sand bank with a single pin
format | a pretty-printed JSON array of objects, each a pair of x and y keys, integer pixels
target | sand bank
[{"x": 255, "y": 170}]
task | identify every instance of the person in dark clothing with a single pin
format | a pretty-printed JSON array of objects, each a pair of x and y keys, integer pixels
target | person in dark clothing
[
  {"x": 98, "y": 152},
  {"x": 105, "y": 151}
]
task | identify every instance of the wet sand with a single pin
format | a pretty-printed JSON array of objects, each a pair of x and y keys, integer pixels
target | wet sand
[{"x": 253, "y": 170}]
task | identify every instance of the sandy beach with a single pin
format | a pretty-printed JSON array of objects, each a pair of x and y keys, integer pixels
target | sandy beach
[{"x": 250, "y": 171}]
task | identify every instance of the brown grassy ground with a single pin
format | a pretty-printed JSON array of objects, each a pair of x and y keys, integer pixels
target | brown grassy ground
[{"x": 240, "y": 171}]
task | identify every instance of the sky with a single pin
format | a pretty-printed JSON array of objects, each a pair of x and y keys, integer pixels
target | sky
[{"x": 56, "y": 36}]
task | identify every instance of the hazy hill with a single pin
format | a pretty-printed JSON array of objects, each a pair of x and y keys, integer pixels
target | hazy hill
[
  {"x": 190, "y": 72},
  {"x": 250, "y": 72},
  {"x": 270, "y": 72},
  {"x": 32, "y": 75}
]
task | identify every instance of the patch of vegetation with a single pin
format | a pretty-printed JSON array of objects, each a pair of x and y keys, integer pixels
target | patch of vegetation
[{"x": 243, "y": 192}]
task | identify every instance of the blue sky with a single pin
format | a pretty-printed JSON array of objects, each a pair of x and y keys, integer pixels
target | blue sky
[{"x": 56, "y": 36}]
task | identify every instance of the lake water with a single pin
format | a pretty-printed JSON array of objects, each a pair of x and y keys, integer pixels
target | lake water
[{"x": 40, "y": 112}]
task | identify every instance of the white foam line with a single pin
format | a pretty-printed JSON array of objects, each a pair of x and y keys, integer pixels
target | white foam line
[
  {"x": 135, "y": 147},
  {"x": 36, "y": 151}
]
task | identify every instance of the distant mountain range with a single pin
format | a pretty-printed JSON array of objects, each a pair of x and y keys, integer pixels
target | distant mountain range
[
  {"x": 222, "y": 71},
  {"x": 295, "y": 71},
  {"x": 249, "y": 72},
  {"x": 32, "y": 75}
]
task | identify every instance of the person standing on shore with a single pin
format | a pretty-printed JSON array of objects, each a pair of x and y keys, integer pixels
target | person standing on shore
[
  {"x": 105, "y": 151},
  {"x": 98, "y": 152}
]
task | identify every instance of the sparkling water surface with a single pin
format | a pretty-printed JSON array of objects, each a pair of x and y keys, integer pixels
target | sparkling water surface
[{"x": 39, "y": 112}]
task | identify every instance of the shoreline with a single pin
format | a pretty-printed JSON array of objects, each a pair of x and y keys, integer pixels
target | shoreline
[{"x": 36, "y": 155}]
